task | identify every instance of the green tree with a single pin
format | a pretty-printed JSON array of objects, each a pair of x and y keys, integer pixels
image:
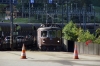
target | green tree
[{"x": 70, "y": 31}]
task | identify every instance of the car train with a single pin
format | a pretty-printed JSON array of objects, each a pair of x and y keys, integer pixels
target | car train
[
  {"x": 49, "y": 37},
  {"x": 28, "y": 31}
]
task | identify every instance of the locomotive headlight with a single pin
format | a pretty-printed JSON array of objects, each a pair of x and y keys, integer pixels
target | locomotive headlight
[
  {"x": 43, "y": 41},
  {"x": 58, "y": 41}
]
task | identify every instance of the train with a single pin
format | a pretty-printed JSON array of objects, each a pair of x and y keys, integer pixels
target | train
[
  {"x": 49, "y": 37},
  {"x": 34, "y": 32},
  {"x": 19, "y": 29},
  {"x": 37, "y": 35}
]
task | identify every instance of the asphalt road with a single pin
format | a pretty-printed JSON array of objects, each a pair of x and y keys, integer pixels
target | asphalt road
[{"x": 37, "y": 58}]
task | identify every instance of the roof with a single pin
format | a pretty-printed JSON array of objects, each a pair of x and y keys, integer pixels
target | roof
[
  {"x": 25, "y": 26},
  {"x": 4, "y": 26},
  {"x": 36, "y": 25},
  {"x": 53, "y": 25},
  {"x": 49, "y": 28}
]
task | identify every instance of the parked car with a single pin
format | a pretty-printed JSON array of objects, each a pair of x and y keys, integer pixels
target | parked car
[
  {"x": 20, "y": 39},
  {"x": 0, "y": 39},
  {"x": 29, "y": 37},
  {"x": 7, "y": 39},
  {"x": 29, "y": 40}
]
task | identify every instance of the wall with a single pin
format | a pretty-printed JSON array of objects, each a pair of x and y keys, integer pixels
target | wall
[
  {"x": 91, "y": 48},
  {"x": 82, "y": 48}
]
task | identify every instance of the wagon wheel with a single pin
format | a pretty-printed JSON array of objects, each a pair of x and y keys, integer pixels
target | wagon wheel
[
  {"x": 58, "y": 48},
  {"x": 51, "y": 48},
  {"x": 43, "y": 48}
]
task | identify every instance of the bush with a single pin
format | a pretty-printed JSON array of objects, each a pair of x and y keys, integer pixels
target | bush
[
  {"x": 83, "y": 36},
  {"x": 97, "y": 40},
  {"x": 70, "y": 31},
  {"x": 97, "y": 32}
]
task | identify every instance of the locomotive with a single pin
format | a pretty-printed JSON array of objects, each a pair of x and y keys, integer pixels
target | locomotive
[{"x": 49, "y": 37}]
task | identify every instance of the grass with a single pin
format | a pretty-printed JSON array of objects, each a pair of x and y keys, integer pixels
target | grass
[
  {"x": 97, "y": 9},
  {"x": 18, "y": 20},
  {"x": 24, "y": 20},
  {"x": 21, "y": 20}
]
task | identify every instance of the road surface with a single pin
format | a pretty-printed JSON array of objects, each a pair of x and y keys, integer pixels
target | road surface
[{"x": 37, "y": 58}]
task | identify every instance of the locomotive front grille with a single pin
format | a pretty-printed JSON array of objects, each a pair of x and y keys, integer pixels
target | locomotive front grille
[{"x": 53, "y": 41}]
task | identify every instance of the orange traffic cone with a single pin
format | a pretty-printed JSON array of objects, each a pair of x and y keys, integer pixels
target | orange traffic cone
[
  {"x": 75, "y": 52},
  {"x": 23, "y": 54}
]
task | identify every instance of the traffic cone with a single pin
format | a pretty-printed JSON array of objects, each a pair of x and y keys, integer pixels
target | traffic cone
[
  {"x": 75, "y": 52},
  {"x": 23, "y": 54}
]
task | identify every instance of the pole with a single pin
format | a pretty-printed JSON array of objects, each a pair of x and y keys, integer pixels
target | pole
[
  {"x": 62, "y": 20},
  {"x": 83, "y": 17},
  {"x": 56, "y": 12},
  {"x": 32, "y": 10},
  {"x": 11, "y": 26},
  {"x": 94, "y": 17},
  {"x": 62, "y": 12},
  {"x": 85, "y": 20},
  {"x": 71, "y": 11},
  {"x": 76, "y": 6},
  {"x": 67, "y": 12},
  {"x": 22, "y": 8},
  {"x": 46, "y": 14},
  {"x": 29, "y": 11},
  {"x": 67, "y": 2}
]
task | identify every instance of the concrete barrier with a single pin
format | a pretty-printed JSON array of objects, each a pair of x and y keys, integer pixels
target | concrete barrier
[
  {"x": 96, "y": 49},
  {"x": 82, "y": 48},
  {"x": 91, "y": 48},
  {"x": 99, "y": 49},
  {"x": 86, "y": 49}
]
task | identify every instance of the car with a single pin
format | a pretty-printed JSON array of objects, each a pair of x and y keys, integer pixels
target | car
[
  {"x": 29, "y": 37},
  {"x": 0, "y": 41},
  {"x": 7, "y": 39},
  {"x": 20, "y": 39}
]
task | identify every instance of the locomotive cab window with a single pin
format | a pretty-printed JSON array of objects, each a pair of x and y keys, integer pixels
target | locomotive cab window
[
  {"x": 43, "y": 33},
  {"x": 59, "y": 33},
  {"x": 52, "y": 33}
]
